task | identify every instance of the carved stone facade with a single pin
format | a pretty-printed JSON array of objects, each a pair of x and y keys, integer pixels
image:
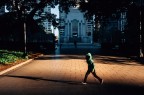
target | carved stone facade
[{"x": 75, "y": 27}]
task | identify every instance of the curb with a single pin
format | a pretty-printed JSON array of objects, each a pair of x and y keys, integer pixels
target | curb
[{"x": 18, "y": 65}]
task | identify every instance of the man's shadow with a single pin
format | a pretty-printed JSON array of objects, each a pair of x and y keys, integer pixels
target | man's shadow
[{"x": 44, "y": 79}]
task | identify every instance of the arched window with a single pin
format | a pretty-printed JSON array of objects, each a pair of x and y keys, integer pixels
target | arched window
[{"x": 74, "y": 26}]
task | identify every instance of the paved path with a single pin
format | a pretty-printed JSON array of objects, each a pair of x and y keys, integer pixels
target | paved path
[{"x": 61, "y": 73}]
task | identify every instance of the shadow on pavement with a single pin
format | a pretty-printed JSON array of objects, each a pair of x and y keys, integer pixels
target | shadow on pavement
[
  {"x": 40, "y": 78},
  {"x": 104, "y": 89},
  {"x": 116, "y": 60},
  {"x": 98, "y": 58},
  {"x": 121, "y": 89},
  {"x": 60, "y": 57},
  {"x": 121, "y": 56}
]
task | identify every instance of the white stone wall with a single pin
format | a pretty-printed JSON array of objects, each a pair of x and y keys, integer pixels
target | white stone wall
[{"x": 83, "y": 27}]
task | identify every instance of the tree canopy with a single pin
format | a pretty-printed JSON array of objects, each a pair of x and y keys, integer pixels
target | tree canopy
[
  {"x": 90, "y": 7},
  {"x": 103, "y": 7}
]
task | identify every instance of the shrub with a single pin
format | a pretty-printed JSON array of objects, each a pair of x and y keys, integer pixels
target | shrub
[{"x": 7, "y": 57}]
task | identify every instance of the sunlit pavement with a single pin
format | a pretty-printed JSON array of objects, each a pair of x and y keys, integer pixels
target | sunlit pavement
[{"x": 62, "y": 72}]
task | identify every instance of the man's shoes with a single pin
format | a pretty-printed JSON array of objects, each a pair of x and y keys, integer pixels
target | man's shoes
[
  {"x": 84, "y": 83},
  {"x": 101, "y": 81}
]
